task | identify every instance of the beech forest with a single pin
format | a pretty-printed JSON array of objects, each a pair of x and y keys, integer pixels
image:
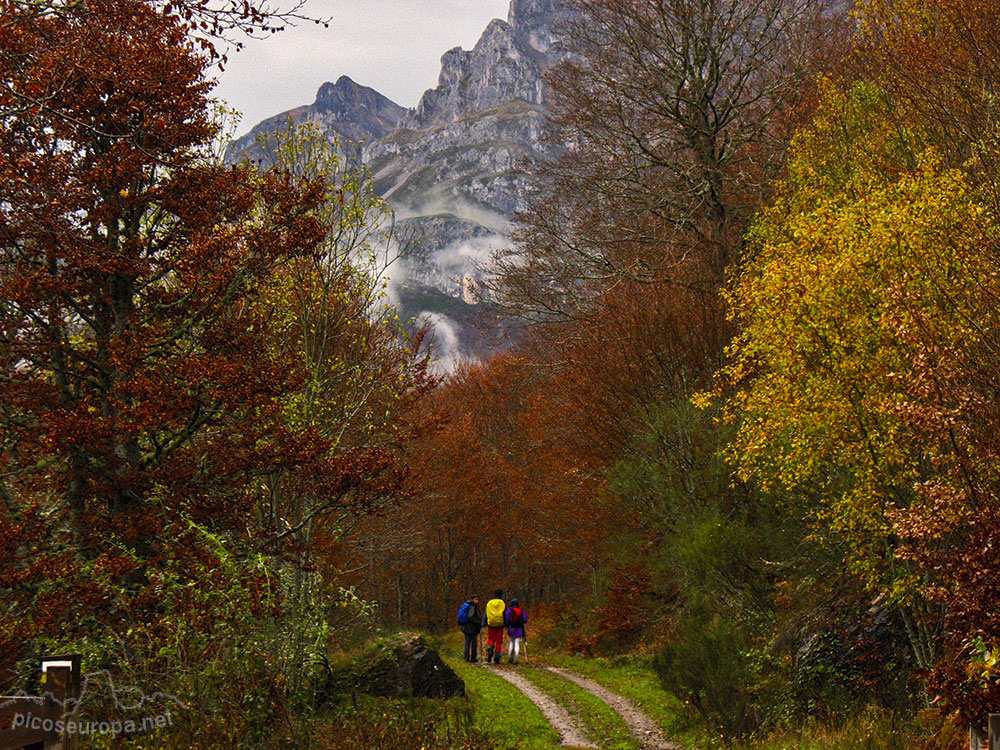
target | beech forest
[{"x": 737, "y": 452}]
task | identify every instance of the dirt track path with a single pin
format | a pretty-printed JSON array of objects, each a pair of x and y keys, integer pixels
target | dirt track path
[
  {"x": 644, "y": 728},
  {"x": 569, "y": 731}
]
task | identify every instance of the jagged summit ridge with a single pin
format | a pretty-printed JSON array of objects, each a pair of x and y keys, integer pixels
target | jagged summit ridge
[
  {"x": 359, "y": 111},
  {"x": 344, "y": 111},
  {"x": 507, "y": 63},
  {"x": 467, "y": 140}
]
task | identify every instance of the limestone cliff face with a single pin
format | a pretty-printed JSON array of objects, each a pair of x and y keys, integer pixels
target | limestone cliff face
[
  {"x": 469, "y": 138},
  {"x": 464, "y": 154},
  {"x": 500, "y": 68},
  {"x": 505, "y": 65},
  {"x": 455, "y": 166}
]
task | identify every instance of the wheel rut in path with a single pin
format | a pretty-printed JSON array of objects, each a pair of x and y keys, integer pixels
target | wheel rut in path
[
  {"x": 644, "y": 728},
  {"x": 568, "y": 729}
]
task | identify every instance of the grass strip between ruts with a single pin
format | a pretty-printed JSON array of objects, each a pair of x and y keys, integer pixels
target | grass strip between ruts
[
  {"x": 633, "y": 678},
  {"x": 603, "y": 724},
  {"x": 502, "y": 711}
]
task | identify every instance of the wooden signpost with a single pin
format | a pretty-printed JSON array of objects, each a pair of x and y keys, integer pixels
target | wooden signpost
[
  {"x": 39, "y": 722},
  {"x": 992, "y": 741}
]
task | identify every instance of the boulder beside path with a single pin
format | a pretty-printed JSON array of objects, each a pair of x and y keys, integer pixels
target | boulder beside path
[{"x": 405, "y": 667}]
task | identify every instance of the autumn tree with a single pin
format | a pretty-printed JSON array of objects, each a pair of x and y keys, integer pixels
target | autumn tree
[
  {"x": 361, "y": 375},
  {"x": 875, "y": 259},
  {"x": 126, "y": 260},
  {"x": 526, "y": 441},
  {"x": 938, "y": 61},
  {"x": 360, "y": 368},
  {"x": 143, "y": 391},
  {"x": 492, "y": 503},
  {"x": 674, "y": 116}
]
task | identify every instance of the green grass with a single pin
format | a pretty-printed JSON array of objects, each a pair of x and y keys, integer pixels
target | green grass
[
  {"x": 603, "y": 724},
  {"x": 869, "y": 729},
  {"x": 513, "y": 721},
  {"x": 502, "y": 711},
  {"x": 634, "y": 678}
]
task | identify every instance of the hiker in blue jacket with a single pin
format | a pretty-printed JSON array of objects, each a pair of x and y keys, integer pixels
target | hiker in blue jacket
[
  {"x": 470, "y": 620},
  {"x": 515, "y": 619}
]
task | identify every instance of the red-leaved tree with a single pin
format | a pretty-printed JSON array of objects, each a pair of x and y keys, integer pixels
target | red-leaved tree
[{"x": 139, "y": 389}]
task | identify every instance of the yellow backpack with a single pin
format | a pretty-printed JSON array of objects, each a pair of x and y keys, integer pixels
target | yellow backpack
[{"x": 494, "y": 612}]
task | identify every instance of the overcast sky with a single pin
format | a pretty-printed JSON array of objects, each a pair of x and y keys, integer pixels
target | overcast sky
[{"x": 394, "y": 46}]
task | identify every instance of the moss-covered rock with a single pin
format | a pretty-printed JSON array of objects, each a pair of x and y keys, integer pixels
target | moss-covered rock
[{"x": 405, "y": 667}]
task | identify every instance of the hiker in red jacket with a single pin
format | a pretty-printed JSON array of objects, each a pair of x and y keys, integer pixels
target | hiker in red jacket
[{"x": 515, "y": 619}]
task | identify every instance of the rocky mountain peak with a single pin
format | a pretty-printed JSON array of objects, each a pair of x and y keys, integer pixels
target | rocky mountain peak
[
  {"x": 505, "y": 65},
  {"x": 362, "y": 112},
  {"x": 455, "y": 167},
  {"x": 345, "y": 111},
  {"x": 342, "y": 95}
]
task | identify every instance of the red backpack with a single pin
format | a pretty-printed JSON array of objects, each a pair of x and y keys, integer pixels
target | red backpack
[{"x": 516, "y": 617}]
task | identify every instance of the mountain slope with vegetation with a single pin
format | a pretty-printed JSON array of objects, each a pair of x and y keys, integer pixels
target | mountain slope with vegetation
[{"x": 463, "y": 154}]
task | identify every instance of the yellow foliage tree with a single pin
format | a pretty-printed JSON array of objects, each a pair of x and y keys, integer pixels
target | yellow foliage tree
[{"x": 871, "y": 239}]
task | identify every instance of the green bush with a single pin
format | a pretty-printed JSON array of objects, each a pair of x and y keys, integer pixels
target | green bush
[{"x": 708, "y": 668}]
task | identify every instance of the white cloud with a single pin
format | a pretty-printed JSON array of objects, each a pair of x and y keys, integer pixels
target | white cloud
[
  {"x": 458, "y": 208},
  {"x": 469, "y": 257},
  {"x": 444, "y": 342}
]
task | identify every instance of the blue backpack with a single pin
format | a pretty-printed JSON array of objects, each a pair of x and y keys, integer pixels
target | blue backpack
[{"x": 463, "y": 613}]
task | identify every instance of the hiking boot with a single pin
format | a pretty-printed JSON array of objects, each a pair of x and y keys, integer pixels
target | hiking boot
[
  {"x": 489, "y": 653},
  {"x": 496, "y": 658}
]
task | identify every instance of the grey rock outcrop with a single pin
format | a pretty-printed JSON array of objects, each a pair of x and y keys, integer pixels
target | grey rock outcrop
[
  {"x": 465, "y": 152},
  {"x": 469, "y": 138}
]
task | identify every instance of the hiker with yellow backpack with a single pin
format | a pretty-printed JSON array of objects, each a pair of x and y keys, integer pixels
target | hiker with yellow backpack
[{"x": 495, "y": 609}]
